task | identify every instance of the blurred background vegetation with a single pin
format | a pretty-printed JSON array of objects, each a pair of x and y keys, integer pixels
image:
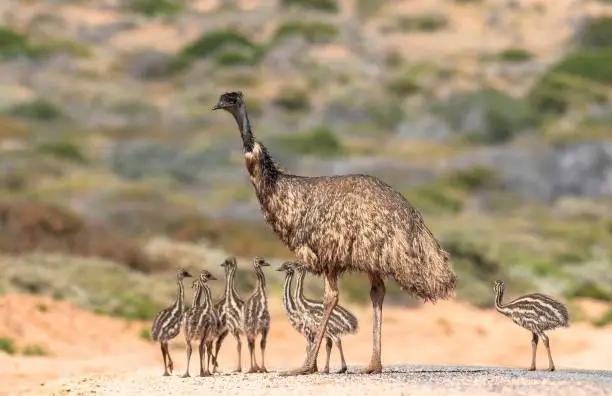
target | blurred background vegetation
[{"x": 494, "y": 118}]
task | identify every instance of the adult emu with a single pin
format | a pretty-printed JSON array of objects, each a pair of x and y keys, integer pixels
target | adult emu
[{"x": 344, "y": 223}]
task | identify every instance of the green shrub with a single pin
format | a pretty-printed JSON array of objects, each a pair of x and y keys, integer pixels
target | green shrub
[
  {"x": 292, "y": 99},
  {"x": 504, "y": 116},
  {"x": 34, "y": 350},
  {"x": 515, "y": 55},
  {"x": 155, "y": 8},
  {"x": 133, "y": 306},
  {"x": 421, "y": 23},
  {"x": 591, "y": 64},
  {"x": 13, "y": 44},
  {"x": 145, "y": 334},
  {"x": 61, "y": 150},
  {"x": 597, "y": 33},
  {"x": 311, "y": 31},
  {"x": 387, "y": 115},
  {"x": 554, "y": 93},
  {"x": 590, "y": 290},
  {"x": 432, "y": 198},
  {"x": 403, "y": 86},
  {"x": 7, "y": 345},
  {"x": 605, "y": 320},
  {"x": 228, "y": 47},
  {"x": 318, "y": 5},
  {"x": 369, "y": 8},
  {"x": 472, "y": 179},
  {"x": 319, "y": 141},
  {"x": 38, "y": 110}
]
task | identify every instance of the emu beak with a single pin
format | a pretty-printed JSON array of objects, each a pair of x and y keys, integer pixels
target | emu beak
[
  {"x": 212, "y": 277},
  {"x": 216, "y": 107},
  {"x": 187, "y": 274},
  {"x": 280, "y": 269}
]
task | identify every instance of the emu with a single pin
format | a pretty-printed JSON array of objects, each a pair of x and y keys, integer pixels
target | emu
[
  {"x": 335, "y": 224},
  {"x": 167, "y": 323},
  {"x": 534, "y": 312}
]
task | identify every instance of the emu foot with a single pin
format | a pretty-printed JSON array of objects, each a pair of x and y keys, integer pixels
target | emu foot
[
  {"x": 205, "y": 373},
  {"x": 237, "y": 370},
  {"x": 531, "y": 368},
  {"x": 186, "y": 375},
  {"x": 551, "y": 368},
  {"x": 253, "y": 369},
  {"x": 342, "y": 370},
  {"x": 262, "y": 369},
  {"x": 373, "y": 368},
  {"x": 324, "y": 371},
  {"x": 304, "y": 370},
  {"x": 166, "y": 373}
]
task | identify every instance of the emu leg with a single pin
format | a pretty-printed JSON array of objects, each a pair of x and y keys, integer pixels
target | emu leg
[
  {"x": 343, "y": 367},
  {"x": 309, "y": 346},
  {"x": 170, "y": 362},
  {"x": 202, "y": 356},
  {"x": 377, "y": 295},
  {"x": 239, "y": 351},
  {"x": 262, "y": 346},
  {"x": 330, "y": 302},
  {"x": 163, "y": 351},
  {"x": 251, "y": 344},
  {"x": 328, "y": 348},
  {"x": 551, "y": 364},
  {"x": 211, "y": 357},
  {"x": 188, "y": 353},
  {"x": 534, "y": 348},
  {"x": 218, "y": 343}
]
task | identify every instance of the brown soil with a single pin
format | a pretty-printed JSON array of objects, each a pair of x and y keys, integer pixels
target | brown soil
[{"x": 81, "y": 343}]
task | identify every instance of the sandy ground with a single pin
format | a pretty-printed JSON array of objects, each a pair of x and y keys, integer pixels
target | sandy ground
[{"x": 81, "y": 344}]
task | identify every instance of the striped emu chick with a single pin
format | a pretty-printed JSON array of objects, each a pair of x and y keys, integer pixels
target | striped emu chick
[
  {"x": 536, "y": 313},
  {"x": 167, "y": 323},
  {"x": 340, "y": 322},
  {"x": 190, "y": 322},
  {"x": 208, "y": 325},
  {"x": 230, "y": 309},
  {"x": 297, "y": 320},
  {"x": 256, "y": 318}
]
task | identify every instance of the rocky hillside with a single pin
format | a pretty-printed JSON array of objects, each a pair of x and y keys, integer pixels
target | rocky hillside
[{"x": 492, "y": 117}]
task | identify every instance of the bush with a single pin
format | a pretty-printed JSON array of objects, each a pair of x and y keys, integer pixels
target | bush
[
  {"x": 472, "y": 179},
  {"x": 605, "y": 320},
  {"x": 403, "y": 86},
  {"x": 591, "y": 64},
  {"x": 319, "y": 141},
  {"x": 318, "y": 5},
  {"x": 218, "y": 44},
  {"x": 7, "y": 345},
  {"x": 312, "y": 31},
  {"x": 293, "y": 99},
  {"x": 37, "y": 110},
  {"x": 32, "y": 226},
  {"x": 61, "y": 150},
  {"x": 155, "y": 8},
  {"x": 597, "y": 33},
  {"x": 503, "y": 116},
  {"x": 13, "y": 44},
  {"x": 434, "y": 199},
  {"x": 133, "y": 307},
  {"x": 421, "y": 23},
  {"x": 34, "y": 350},
  {"x": 556, "y": 92},
  {"x": 515, "y": 55}
]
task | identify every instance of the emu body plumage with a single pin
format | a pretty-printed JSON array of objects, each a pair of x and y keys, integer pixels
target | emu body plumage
[
  {"x": 534, "y": 312},
  {"x": 344, "y": 223}
]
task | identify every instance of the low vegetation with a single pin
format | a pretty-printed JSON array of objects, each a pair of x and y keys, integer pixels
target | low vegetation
[
  {"x": 34, "y": 350},
  {"x": 421, "y": 23},
  {"x": 314, "y": 32},
  {"x": 7, "y": 346},
  {"x": 155, "y": 8},
  {"x": 330, "y": 6},
  {"x": 320, "y": 141}
]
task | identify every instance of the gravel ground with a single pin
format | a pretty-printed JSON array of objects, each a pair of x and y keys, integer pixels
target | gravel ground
[{"x": 398, "y": 380}]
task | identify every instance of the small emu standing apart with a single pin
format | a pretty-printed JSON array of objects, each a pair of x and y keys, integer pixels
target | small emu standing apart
[
  {"x": 230, "y": 307},
  {"x": 257, "y": 317},
  {"x": 334, "y": 224},
  {"x": 536, "y": 313},
  {"x": 167, "y": 323}
]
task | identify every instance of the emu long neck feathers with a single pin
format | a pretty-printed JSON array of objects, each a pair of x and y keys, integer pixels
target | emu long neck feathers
[
  {"x": 207, "y": 303},
  {"x": 180, "y": 294},
  {"x": 197, "y": 294},
  {"x": 261, "y": 280},
  {"x": 498, "y": 301},
  {"x": 242, "y": 119},
  {"x": 288, "y": 301}
]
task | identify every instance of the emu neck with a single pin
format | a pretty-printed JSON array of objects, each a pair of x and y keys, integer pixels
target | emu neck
[
  {"x": 180, "y": 294},
  {"x": 230, "y": 286},
  {"x": 299, "y": 288},
  {"x": 244, "y": 125},
  {"x": 197, "y": 294},
  {"x": 499, "y": 306},
  {"x": 288, "y": 301},
  {"x": 207, "y": 302},
  {"x": 261, "y": 282}
]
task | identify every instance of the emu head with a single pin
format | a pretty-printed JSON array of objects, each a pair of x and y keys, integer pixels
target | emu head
[
  {"x": 205, "y": 276},
  {"x": 229, "y": 264},
  {"x": 287, "y": 267},
  {"x": 260, "y": 262},
  {"x": 499, "y": 286},
  {"x": 182, "y": 273},
  {"x": 230, "y": 101}
]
